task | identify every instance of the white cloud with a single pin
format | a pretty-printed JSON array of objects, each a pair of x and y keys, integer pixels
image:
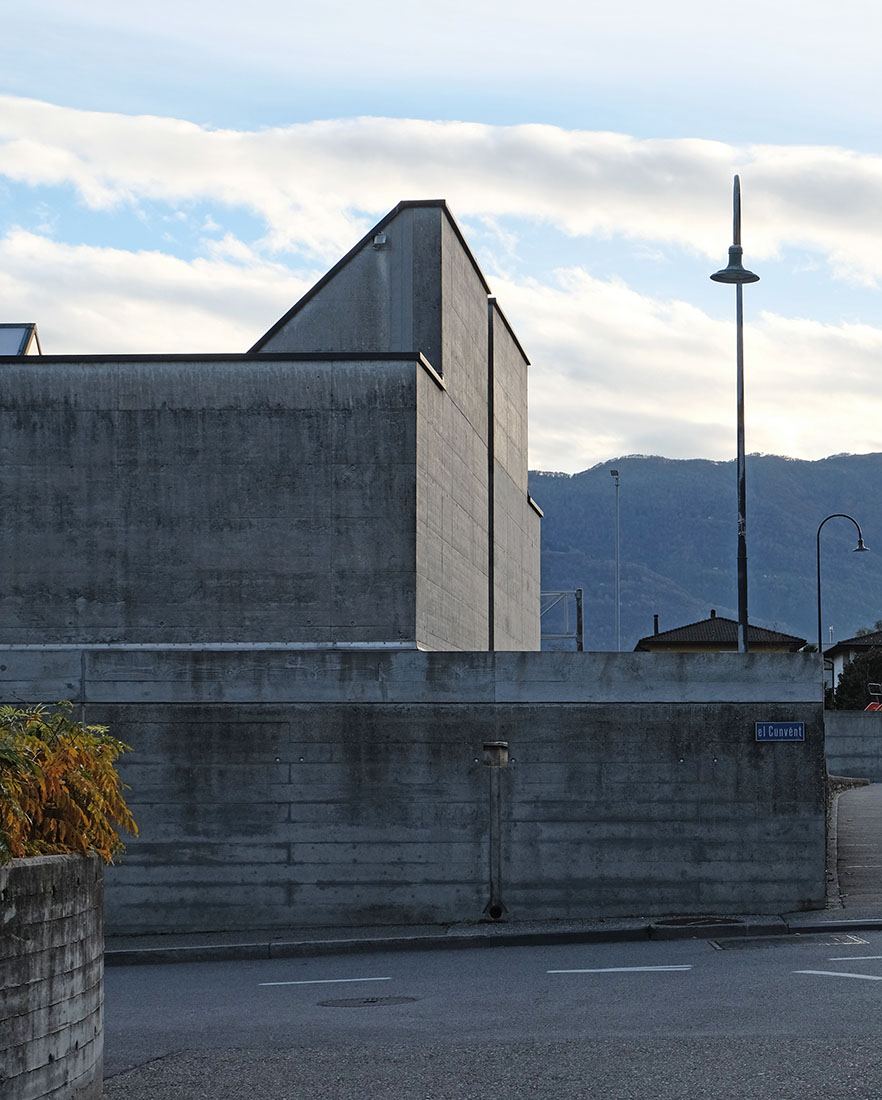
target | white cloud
[
  {"x": 615, "y": 371},
  {"x": 318, "y": 185},
  {"x": 89, "y": 300}
]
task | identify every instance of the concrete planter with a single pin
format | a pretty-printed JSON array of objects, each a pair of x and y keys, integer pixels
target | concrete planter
[{"x": 52, "y": 978}]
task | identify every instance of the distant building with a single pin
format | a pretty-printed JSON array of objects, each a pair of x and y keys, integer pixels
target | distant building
[
  {"x": 715, "y": 635},
  {"x": 358, "y": 478},
  {"x": 19, "y": 338},
  {"x": 841, "y": 653}
]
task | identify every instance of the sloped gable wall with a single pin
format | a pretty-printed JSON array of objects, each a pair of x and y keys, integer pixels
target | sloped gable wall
[{"x": 383, "y": 296}]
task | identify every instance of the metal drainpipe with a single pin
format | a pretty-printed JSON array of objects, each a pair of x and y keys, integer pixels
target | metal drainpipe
[{"x": 495, "y": 758}]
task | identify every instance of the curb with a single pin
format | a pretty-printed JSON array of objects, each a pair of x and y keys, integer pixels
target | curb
[
  {"x": 686, "y": 928},
  {"x": 281, "y": 949}
]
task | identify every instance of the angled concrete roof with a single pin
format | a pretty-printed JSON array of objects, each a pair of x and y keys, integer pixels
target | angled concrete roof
[
  {"x": 385, "y": 293},
  {"x": 718, "y": 631}
]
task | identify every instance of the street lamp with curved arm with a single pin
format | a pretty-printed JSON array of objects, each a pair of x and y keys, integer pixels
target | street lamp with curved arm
[{"x": 860, "y": 547}]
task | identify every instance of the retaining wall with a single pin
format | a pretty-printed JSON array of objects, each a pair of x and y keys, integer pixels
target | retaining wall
[
  {"x": 853, "y": 743},
  {"x": 52, "y": 985},
  {"x": 277, "y": 788}
]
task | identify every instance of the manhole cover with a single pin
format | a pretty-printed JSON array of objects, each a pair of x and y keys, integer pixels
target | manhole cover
[
  {"x": 817, "y": 939},
  {"x": 366, "y": 1002}
]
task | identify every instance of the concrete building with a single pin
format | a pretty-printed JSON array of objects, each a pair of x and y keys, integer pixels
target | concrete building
[{"x": 358, "y": 478}]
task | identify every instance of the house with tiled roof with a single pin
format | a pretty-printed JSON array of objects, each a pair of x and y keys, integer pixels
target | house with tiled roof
[
  {"x": 839, "y": 654},
  {"x": 716, "y": 635}
]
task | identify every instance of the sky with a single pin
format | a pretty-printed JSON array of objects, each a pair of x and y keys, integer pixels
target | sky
[{"x": 173, "y": 177}]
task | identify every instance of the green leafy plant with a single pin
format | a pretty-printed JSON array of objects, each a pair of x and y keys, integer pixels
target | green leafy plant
[
  {"x": 852, "y": 692},
  {"x": 59, "y": 788}
]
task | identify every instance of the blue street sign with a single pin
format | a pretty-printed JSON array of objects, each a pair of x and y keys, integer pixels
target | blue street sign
[{"x": 780, "y": 731}]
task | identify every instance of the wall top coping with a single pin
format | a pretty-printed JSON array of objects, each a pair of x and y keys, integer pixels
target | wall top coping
[{"x": 283, "y": 674}]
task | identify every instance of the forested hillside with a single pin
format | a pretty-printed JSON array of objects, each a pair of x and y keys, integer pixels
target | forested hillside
[{"x": 678, "y": 542}]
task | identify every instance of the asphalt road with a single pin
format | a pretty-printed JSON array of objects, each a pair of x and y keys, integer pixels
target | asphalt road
[{"x": 767, "y": 1018}]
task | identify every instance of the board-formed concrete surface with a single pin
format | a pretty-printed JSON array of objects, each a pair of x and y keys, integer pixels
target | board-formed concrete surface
[
  {"x": 853, "y": 743},
  {"x": 282, "y": 788}
]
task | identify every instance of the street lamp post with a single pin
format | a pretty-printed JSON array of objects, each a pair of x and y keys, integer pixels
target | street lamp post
[
  {"x": 737, "y": 274},
  {"x": 858, "y": 549},
  {"x": 615, "y": 474}
]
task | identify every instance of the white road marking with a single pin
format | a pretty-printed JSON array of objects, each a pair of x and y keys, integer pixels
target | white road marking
[
  {"x": 621, "y": 970},
  {"x": 853, "y": 958},
  {"x": 840, "y": 974},
  {"x": 328, "y": 981}
]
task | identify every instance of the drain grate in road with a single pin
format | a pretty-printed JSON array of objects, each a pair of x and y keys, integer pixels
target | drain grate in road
[
  {"x": 367, "y": 1002},
  {"x": 810, "y": 939}
]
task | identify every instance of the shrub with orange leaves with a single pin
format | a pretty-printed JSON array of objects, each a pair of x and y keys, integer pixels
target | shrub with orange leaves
[{"x": 59, "y": 788}]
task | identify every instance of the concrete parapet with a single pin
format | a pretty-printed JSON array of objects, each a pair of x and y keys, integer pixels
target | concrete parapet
[{"x": 52, "y": 987}]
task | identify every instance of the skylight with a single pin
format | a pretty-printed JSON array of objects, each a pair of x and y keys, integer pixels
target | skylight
[{"x": 19, "y": 339}]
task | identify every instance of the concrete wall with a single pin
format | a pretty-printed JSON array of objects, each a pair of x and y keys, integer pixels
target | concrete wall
[
  {"x": 516, "y": 624},
  {"x": 177, "y": 501},
  {"x": 453, "y": 551},
  {"x": 853, "y": 743},
  {"x": 284, "y": 789},
  {"x": 52, "y": 967}
]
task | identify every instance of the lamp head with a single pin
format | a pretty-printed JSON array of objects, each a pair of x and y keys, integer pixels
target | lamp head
[
  {"x": 735, "y": 272},
  {"x": 860, "y": 548}
]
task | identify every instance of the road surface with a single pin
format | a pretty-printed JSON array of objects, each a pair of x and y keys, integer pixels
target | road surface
[{"x": 765, "y": 1018}]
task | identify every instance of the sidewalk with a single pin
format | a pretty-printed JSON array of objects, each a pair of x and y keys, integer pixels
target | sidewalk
[
  {"x": 859, "y": 851},
  {"x": 295, "y": 943}
]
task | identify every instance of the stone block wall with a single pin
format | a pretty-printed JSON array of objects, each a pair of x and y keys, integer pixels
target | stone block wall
[{"x": 52, "y": 978}]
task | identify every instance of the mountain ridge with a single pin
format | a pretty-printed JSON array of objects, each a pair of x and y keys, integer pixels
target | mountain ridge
[{"x": 678, "y": 524}]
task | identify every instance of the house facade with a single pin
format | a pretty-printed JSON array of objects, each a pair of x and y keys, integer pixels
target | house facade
[{"x": 837, "y": 656}]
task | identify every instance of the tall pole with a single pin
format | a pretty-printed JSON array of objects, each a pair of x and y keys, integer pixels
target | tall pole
[
  {"x": 742, "y": 478},
  {"x": 615, "y": 474},
  {"x": 736, "y": 273}
]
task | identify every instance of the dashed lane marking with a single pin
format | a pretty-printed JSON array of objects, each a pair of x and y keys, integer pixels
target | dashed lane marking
[
  {"x": 622, "y": 970},
  {"x": 840, "y": 974},
  {"x": 328, "y": 981}
]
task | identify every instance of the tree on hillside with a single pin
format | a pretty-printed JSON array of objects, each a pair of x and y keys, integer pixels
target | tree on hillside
[
  {"x": 852, "y": 693},
  {"x": 862, "y": 630}
]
